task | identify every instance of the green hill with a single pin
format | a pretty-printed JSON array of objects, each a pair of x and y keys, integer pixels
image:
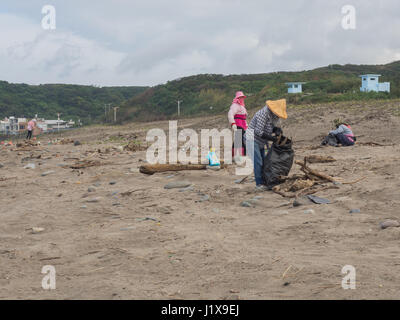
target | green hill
[
  {"x": 212, "y": 93},
  {"x": 72, "y": 101}
]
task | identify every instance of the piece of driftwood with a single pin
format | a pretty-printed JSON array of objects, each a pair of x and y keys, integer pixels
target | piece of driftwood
[
  {"x": 83, "y": 164},
  {"x": 155, "y": 168},
  {"x": 313, "y": 172},
  {"x": 6, "y": 179},
  {"x": 354, "y": 182},
  {"x": 319, "y": 159},
  {"x": 314, "y": 189}
]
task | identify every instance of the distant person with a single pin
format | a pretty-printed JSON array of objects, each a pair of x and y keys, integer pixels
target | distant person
[
  {"x": 237, "y": 117},
  {"x": 264, "y": 127},
  {"x": 343, "y": 134},
  {"x": 31, "y": 127}
]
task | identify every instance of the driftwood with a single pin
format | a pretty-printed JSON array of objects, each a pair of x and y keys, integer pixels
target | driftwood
[
  {"x": 313, "y": 172},
  {"x": 6, "y": 179},
  {"x": 155, "y": 168},
  {"x": 83, "y": 164},
  {"x": 319, "y": 159}
]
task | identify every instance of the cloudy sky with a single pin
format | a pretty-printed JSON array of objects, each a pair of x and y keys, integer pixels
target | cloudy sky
[{"x": 148, "y": 42}]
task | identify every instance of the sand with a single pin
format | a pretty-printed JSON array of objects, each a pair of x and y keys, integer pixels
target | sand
[{"x": 155, "y": 243}]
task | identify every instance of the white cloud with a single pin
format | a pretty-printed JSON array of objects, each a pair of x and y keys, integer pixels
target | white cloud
[{"x": 125, "y": 42}]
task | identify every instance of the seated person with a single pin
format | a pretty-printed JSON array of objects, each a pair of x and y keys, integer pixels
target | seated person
[{"x": 343, "y": 134}]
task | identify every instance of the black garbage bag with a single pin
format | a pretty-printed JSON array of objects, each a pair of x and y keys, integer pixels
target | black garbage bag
[
  {"x": 330, "y": 140},
  {"x": 278, "y": 162}
]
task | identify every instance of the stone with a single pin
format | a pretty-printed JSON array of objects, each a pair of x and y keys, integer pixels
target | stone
[
  {"x": 91, "y": 189},
  {"x": 77, "y": 143},
  {"x": 93, "y": 200},
  {"x": 30, "y": 166},
  {"x": 164, "y": 210},
  {"x": 190, "y": 188},
  {"x": 204, "y": 197},
  {"x": 389, "y": 224},
  {"x": 83, "y": 207},
  {"x": 178, "y": 184},
  {"x": 309, "y": 211},
  {"x": 113, "y": 182},
  {"x": 47, "y": 173},
  {"x": 355, "y": 211},
  {"x": 36, "y": 230},
  {"x": 1, "y": 166},
  {"x": 214, "y": 168},
  {"x": 97, "y": 184},
  {"x": 302, "y": 201},
  {"x": 246, "y": 204},
  {"x": 215, "y": 210}
]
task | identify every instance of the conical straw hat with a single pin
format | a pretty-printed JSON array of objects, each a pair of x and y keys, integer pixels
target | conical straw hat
[{"x": 278, "y": 107}]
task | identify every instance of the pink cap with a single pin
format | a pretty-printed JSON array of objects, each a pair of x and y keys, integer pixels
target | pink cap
[{"x": 240, "y": 94}]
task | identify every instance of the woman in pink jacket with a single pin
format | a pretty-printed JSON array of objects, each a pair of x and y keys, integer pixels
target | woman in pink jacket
[{"x": 237, "y": 116}]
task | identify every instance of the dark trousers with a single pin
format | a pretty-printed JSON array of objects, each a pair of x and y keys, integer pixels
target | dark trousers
[
  {"x": 239, "y": 136},
  {"x": 344, "y": 141},
  {"x": 29, "y": 135}
]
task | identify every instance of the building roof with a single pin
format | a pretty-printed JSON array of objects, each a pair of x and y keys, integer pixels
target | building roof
[
  {"x": 370, "y": 75},
  {"x": 288, "y": 83}
]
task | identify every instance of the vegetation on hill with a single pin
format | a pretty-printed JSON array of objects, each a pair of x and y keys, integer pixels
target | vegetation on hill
[
  {"x": 201, "y": 94},
  {"x": 72, "y": 101},
  {"x": 212, "y": 93}
]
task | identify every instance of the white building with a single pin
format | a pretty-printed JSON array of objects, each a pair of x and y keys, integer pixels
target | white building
[
  {"x": 295, "y": 87},
  {"x": 370, "y": 82}
]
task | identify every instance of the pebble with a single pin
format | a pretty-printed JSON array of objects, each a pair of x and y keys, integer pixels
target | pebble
[
  {"x": 127, "y": 228},
  {"x": 30, "y": 166},
  {"x": 205, "y": 197},
  {"x": 1, "y": 166},
  {"x": 214, "y": 168},
  {"x": 309, "y": 211},
  {"x": 187, "y": 189},
  {"x": 178, "y": 184},
  {"x": 83, "y": 207},
  {"x": 97, "y": 184},
  {"x": 47, "y": 173},
  {"x": 36, "y": 230},
  {"x": 215, "y": 210},
  {"x": 93, "y": 200},
  {"x": 113, "y": 182},
  {"x": 355, "y": 211},
  {"x": 164, "y": 210},
  {"x": 302, "y": 201},
  {"x": 246, "y": 204},
  {"x": 389, "y": 224},
  {"x": 77, "y": 143},
  {"x": 91, "y": 189}
]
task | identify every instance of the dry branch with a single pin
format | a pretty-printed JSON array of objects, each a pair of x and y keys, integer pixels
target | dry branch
[
  {"x": 319, "y": 159},
  {"x": 314, "y": 172},
  {"x": 155, "y": 168}
]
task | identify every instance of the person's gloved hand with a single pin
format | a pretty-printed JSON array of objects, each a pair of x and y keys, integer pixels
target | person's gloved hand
[
  {"x": 278, "y": 131},
  {"x": 269, "y": 137},
  {"x": 234, "y": 127}
]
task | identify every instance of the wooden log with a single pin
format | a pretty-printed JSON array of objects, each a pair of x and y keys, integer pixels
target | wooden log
[
  {"x": 154, "y": 168},
  {"x": 319, "y": 159},
  {"x": 314, "y": 172}
]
